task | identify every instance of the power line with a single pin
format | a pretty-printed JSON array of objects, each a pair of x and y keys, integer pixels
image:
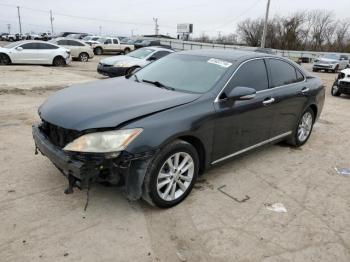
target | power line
[{"x": 239, "y": 16}]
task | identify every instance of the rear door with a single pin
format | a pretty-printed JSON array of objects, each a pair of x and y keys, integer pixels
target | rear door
[
  {"x": 243, "y": 125},
  {"x": 290, "y": 93},
  {"x": 116, "y": 45}
]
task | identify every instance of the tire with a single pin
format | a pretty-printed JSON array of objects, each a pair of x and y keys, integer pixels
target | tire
[
  {"x": 5, "y": 59},
  {"x": 296, "y": 139},
  {"x": 59, "y": 61},
  {"x": 126, "y": 51},
  {"x": 164, "y": 188},
  {"x": 335, "y": 90},
  {"x": 98, "y": 51},
  {"x": 314, "y": 70},
  {"x": 336, "y": 69},
  {"x": 83, "y": 57}
]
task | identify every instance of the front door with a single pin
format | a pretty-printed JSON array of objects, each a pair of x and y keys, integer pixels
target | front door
[{"x": 246, "y": 124}]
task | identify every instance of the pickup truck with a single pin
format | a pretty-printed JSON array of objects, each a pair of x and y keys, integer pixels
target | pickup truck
[{"x": 111, "y": 45}]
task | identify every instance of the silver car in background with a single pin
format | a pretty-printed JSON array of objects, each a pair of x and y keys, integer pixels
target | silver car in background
[
  {"x": 125, "y": 64},
  {"x": 331, "y": 63}
]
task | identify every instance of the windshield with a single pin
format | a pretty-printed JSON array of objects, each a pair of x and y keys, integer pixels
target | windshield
[
  {"x": 141, "y": 53},
  {"x": 11, "y": 45},
  {"x": 101, "y": 39},
  {"x": 189, "y": 73},
  {"x": 331, "y": 56}
]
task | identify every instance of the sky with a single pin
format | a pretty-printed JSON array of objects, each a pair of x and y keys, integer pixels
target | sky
[{"x": 122, "y": 17}]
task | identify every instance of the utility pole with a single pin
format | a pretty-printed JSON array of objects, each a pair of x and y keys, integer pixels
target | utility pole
[
  {"x": 156, "y": 26},
  {"x": 9, "y": 28},
  {"x": 132, "y": 31},
  {"x": 100, "y": 30},
  {"x": 263, "y": 40},
  {"x": 51, "y": 21},
  {"x": 19, "y": 20}
]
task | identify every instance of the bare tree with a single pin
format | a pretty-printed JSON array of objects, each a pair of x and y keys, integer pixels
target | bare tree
[{"x": 250, "y": 31}]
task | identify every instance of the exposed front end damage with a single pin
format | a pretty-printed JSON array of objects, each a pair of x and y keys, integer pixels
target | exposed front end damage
[{"x": 121, "y": 168}]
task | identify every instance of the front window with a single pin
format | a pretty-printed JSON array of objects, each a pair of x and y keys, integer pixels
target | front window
[
  {"x": 141, "y": 53},
  {"x": 188, "y": 73},
  {"x": 331, "y": 56}
]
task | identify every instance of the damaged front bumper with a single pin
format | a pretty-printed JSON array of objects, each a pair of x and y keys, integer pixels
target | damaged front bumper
[{"x": 120, "y": 168}]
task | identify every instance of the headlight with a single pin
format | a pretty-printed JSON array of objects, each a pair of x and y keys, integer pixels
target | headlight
[{"x": 104, "y": 142}]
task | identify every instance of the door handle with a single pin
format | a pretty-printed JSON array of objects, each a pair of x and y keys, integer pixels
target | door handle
[
  {"x": 305, "y": 90},
  {"x": 268, "y": 101}
]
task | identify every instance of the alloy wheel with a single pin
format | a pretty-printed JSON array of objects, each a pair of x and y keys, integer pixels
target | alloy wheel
[
  {"x": 175, "y": 176},
  {"x": 305, "y": 126}
]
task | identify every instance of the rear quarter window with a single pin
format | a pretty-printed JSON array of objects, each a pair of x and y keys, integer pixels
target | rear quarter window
[{"x": 283, "y": 73}]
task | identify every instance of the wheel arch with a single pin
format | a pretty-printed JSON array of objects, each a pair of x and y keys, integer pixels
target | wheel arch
[
  {"x": 199, "y": 146},
  {"x": 314, "y": 109}
]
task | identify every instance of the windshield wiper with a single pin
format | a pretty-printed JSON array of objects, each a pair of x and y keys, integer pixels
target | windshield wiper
[{"x": 158, "y": 84}]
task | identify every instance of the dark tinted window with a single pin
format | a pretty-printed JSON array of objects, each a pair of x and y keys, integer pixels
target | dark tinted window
[
  {"x": 115, "y": 41},
  {"x": 300, "y": 76},
  {"x": 74, "y": 43},
  {"x": 344, "y": 57},
  {"x": 30, "y": 46},
  {"x": 160, "y": 54},
  {"x": 46, "y": 46},
  {"x": 251, "y": 74},
  {"x": 108, "y": 41},
  {"x": 62, "y": 42},
  {"x": 282, "y": 73}
]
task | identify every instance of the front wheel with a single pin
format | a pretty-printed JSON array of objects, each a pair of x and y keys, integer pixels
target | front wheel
[
  {"x": 98, "y": 51},
  {"x": 303, "y": 130},
  {"x": 59, "y": 61},
  {"x": 171, "y": 175},
  {"x": 4, "y": 59},
  {"x": 335, "y": 90}
]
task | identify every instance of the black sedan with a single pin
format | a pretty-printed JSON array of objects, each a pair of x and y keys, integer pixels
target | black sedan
[{"x": 156, "y": 131}]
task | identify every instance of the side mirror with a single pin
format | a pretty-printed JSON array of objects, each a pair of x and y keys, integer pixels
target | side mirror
[
  {"x": 19, "y": 48},
  {"x": 152, "y": 58},
  {"x": 131, "y": 72},
  {"x": 242, "y": 93}
]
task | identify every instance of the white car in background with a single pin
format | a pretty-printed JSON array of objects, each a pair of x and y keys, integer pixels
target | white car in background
[
  {"x": 331, "y": 63},
  {"x": 34, "y": 52},
  {"x": 111, "y": 45},
  {"x": 79, "y": 50},
  {"x": 125, "y": 64}
]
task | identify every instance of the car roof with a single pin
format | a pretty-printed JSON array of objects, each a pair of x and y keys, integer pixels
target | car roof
[
  {"x": 230, "y": 55},
  {"x": 33, "y": 41}
]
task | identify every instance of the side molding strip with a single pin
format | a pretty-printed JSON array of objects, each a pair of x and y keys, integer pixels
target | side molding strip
[{"x": 252, "y": 147}]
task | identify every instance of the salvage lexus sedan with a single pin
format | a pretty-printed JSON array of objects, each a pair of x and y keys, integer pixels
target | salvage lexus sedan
[{"x": 157, "y": 130}]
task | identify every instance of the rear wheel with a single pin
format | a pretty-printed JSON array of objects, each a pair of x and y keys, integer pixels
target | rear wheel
[
  {"x": 303, "y": 130},
  {"x": 5, "y": 59},
  {"x": 126, "y": 51},
  {"x": 336, "y": 69},
  {"x": 98, "y": 51},
  {"x": 83, "y": 57},
  {"x": 59, "y": 61},
  {"x": 171, "y": 175}
]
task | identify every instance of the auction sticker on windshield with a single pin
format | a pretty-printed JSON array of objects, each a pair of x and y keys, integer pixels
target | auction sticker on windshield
[{"x": 219, "y": 62}]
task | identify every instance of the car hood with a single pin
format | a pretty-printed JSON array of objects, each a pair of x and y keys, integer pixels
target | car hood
[
  {"x": 120, "y": 58},
  {"x": 326, "y": 61},
  {"x": 108, "y": 103}
]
